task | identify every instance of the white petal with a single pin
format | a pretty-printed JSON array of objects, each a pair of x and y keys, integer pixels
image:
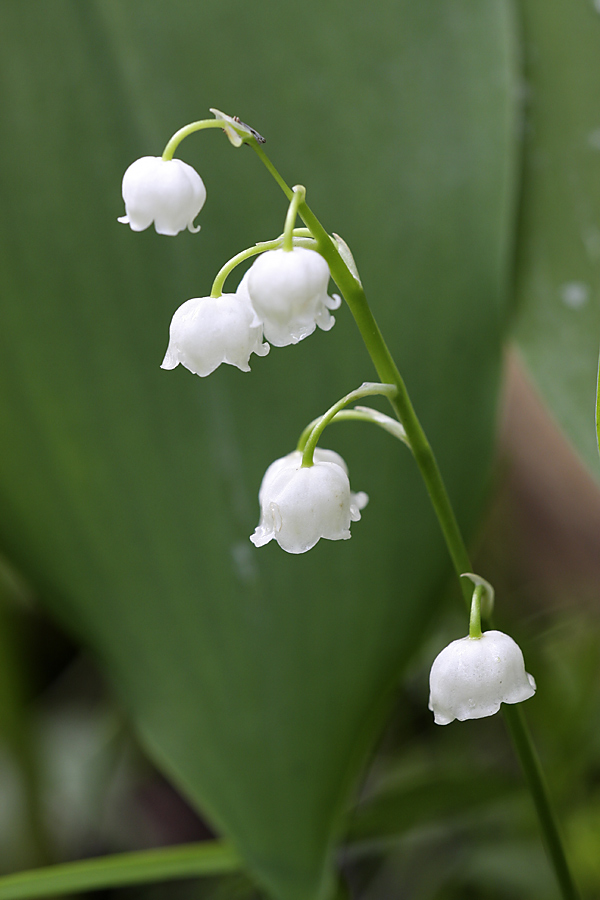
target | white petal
[
  {"x": 170, "y": 361},
  {"x": 167, "y": 192},
  {"x": 333, "y": 302},
  {"x": 208, "y": 331},
  {"x": 299, "y": 506},
  {"x": 357, "y": 502},
  {"x": 324, "y": 319},
  {"x": 288, "y": 290},
  {"x": 471, "y": 677}
]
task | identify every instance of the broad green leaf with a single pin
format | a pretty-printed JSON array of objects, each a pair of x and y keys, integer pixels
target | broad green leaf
[
  {"x": 558, "y": 271},
  {"x": 258, "y": 680},
  {"x": 183, "y": 861}
]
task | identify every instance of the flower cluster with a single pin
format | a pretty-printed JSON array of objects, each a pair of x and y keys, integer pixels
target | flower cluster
[
  {"x": 283, "y": 295},
  {"x": 304, "y": 496}
]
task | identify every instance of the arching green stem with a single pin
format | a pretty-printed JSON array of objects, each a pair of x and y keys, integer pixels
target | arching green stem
[
  {"x": 177, "y": 138},
  {"x": 303, "y": 232},
  {"x": 486, "y": 603},
  {"x": 368, "y": 389},
  {"x": 217, "y": 287},
  {"x": 359, "y": 414},
  {"x": 475, "y": 618},
  {"x": 290, "y": 219}
]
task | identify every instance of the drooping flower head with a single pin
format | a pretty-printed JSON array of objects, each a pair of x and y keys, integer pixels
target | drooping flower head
[
  {"x": 288, "y": 290},
  {"x": 301, "y": 505},
  {"x": 471, "y": 677},
  {"x": 207, "y": 331},
  {"x": 167, "y": 192}
]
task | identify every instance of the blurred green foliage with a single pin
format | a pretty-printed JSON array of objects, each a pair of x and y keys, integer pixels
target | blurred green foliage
[{"x": 558, "y": 239}]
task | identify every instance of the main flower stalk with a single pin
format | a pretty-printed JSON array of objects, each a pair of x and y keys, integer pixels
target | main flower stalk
[{"x": 387, "y": 370}]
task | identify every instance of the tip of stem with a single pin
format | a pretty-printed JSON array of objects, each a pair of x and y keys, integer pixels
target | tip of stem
[{"x": 301, "y": 190}]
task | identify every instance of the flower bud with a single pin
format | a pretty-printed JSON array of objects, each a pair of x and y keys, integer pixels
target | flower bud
[
  {"x": 471, "y": 677},
  {"x": 207, "y": 331},
  {"x": 288, "y": 290},
  {"x": 167, "y": 192},
  {"x": 301, "y": 505}
]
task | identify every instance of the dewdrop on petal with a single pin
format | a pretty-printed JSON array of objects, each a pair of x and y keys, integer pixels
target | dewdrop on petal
[
  {"x": 471, "y": 677},
  {"x": 301, "y": 505},
  {"x": 207, "y": 331},
  {"x": 167, "y": 192},
  {"x": 288, "y": 290}
]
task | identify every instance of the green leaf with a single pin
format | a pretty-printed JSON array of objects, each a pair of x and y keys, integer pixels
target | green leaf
[
  {"x": 558, "y": 272},
  {"x": 258, "y": 680},
  {"x": 185, "y": 861}
]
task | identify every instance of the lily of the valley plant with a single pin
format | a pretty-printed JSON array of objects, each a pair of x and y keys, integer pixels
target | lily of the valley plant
[{"x": 305, "y": 496}]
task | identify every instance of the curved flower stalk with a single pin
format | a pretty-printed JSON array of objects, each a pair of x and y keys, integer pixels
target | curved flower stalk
[
  {"x": 167, "y": 192},
  {"x": 302, "y": 504},
  {"x": 208, "y": 331},
  {"x": 471, "y": 677},
  {"x": 288, "y": 290},
  {"x": 358, "y": 414},
  {"x": 306, "y": 495}
]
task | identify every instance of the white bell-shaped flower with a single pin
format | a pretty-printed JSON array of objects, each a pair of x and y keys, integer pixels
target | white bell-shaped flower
[
  {"x": 471, "y": 677},
  {"x": 301, "y": 505},
  {"x": 207, "y": 331},
  {"x": 288, "y": 290},
  {"x": 167, "y": 192}
]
